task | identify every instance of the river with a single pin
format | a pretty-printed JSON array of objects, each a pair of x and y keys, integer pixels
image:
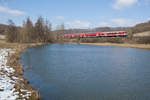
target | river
[{"x": 82, "y": 72}]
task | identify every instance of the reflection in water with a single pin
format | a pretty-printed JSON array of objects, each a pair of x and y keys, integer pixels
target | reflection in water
[{"x": 81, "y": 72}]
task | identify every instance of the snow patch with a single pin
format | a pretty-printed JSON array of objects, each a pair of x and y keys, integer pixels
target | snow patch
[{"x": 8, "y": 81}]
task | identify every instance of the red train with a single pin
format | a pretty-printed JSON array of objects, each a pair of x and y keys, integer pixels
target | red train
[{"x": 97, "y": 34}]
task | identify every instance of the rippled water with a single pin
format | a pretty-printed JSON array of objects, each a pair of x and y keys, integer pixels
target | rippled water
[{"x": 82, "y": 72}]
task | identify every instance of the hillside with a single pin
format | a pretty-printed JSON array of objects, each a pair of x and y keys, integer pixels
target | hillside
[
  {"x": 104, "y": 29},
  {"x": 142, "y": 27}
]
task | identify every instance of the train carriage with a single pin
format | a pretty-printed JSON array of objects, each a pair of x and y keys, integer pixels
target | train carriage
[{"x": 97, "y": 34}]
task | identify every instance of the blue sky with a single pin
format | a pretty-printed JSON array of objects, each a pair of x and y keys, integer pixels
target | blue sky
[{"x": 77, "y": 13}]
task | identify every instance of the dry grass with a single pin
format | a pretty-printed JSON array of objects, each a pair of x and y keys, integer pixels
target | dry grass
[
  {"x": 142, "y": 34},
  {"x": 4, "y": 44},
  {"x": 140, "y": 46}
]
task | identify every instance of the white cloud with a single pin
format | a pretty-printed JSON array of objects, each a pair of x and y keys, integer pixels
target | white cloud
[
  {"x": 103, "y": 24},
  {"x": 78, "y": 24},
  {"x": 11, "y": 11},
  {"x": 60, "y": 17},
  {"x": 122, "y": 4},
  {"x": 148, "y": 19},
  {"x": 123, "y": 22}
]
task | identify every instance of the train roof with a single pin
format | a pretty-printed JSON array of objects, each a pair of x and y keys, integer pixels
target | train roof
[
  {"x": 101, "y": 32},
  {"x": 95, "y": 32}
]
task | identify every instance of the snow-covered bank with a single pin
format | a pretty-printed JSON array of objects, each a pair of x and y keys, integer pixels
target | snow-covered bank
[{"x": 8, "y": 80}]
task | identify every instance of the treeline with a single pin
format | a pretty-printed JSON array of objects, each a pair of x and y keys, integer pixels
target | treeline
[{"x": 39, "y": 32}]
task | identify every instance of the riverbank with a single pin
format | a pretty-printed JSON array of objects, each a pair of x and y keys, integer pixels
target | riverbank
[
  {"x": 13, "y": 85},
  {"x": 127, "y": 45}
]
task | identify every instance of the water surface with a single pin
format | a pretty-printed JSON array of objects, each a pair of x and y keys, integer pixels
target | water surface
[{"x": 82, "y": 72}]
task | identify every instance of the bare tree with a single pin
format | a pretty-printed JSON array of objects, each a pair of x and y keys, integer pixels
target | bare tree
[{"x": 11, "y": 32}]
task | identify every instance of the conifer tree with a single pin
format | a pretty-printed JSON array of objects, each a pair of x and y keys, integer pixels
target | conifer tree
[
  {"x": 39, "y": 30},
  {"x": 27, "y": 31}
]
